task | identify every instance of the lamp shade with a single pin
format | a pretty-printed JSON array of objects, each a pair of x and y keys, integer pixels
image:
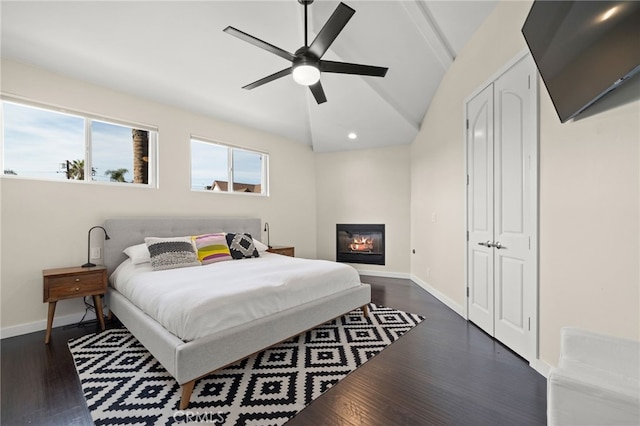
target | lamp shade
[{"x": 306, "y": 75}]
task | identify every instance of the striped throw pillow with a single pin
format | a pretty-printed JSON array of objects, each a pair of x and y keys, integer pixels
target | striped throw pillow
[
  {"x": 212, "y": 248},
  {"x": 170, "y": 253}
]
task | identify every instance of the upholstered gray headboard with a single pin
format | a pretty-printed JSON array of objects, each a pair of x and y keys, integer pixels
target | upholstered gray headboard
[{"x": 127, "y": 231}]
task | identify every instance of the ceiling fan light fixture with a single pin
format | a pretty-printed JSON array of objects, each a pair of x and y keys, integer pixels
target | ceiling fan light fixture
[{"x": 306, "y": 75}]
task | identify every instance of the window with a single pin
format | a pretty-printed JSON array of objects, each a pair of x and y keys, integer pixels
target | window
[
  {"x": 47, "y": 144},
  {"x": 222, "y": 168}
]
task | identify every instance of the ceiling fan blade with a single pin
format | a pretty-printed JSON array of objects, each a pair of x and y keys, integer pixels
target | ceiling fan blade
[
  {"x": 347, "y": 68},
  {"x": 259, "y": 43},
  {"x": 318, "y": 93},
  {"x": 331, "y": 29},
  {"x": 268, "y": 78}
]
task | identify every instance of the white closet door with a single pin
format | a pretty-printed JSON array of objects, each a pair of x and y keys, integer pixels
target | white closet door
[
  {"x": 502, "y": 208},
  {"x": 480, "y": 209}
]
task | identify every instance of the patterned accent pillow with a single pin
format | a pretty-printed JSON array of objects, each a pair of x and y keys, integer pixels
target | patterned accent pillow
[
  {"x": 170, "y": 253},
  {"x": 212, "y": 248},
  {"x": 241, "y": 246}
]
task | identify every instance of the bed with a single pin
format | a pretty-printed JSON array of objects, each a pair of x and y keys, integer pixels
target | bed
[{"x": 194, "y": 356}]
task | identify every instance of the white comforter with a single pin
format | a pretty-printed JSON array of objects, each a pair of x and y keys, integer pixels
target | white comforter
[{"x": 194, "y": 302}]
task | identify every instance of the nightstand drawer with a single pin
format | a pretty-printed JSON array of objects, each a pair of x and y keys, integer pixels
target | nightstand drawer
[
  {"x": 75, "y": 289},
  {"x": 70, "y": 280}
]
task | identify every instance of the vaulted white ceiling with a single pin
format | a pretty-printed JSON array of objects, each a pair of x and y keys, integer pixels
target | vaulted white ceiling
[{"x": 175, "y": 52}]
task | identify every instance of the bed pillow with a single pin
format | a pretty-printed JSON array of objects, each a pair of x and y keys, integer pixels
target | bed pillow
[
  {"x": 138, "y": 253},
  {"x": 212, "y": 248},
  {"x": 260, "y": 246},
  {"x": 170, "y": 253},
  {"x": 241, "y": 246}
]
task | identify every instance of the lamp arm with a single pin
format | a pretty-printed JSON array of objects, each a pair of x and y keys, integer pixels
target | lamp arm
[
  {"x": 106, "y": 237},
  {"x": 266, "y": 228}
]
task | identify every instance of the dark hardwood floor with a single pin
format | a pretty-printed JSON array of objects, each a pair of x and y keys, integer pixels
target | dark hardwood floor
[{"x": 443, "y": 372}]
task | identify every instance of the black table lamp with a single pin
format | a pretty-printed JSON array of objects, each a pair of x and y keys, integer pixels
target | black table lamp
[
  {"x": 106, "y": 237},
  {"x": 266, "y": 229}
]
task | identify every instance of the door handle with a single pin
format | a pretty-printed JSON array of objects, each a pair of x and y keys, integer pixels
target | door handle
[{"x": 498, "y": 245}]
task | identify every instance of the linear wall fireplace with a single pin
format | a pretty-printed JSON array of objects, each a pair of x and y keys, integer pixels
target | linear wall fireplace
[{"x": 360, "y": 243}]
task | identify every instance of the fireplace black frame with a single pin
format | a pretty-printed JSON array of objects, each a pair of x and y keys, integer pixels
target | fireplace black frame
[{"x": 355, "y": 257}]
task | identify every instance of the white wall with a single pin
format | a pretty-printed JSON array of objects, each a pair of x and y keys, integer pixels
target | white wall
[
  {"x": 366, "y": 186},
  {"x": 45, "y": 224},
  {"x": 589, "y": 197},
  {"x": 590, "y": 224}
]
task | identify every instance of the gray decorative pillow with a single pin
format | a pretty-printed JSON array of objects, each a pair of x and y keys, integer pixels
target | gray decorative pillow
[
  {"x": 241, "y": 246},
  {"x": 170, "y": 253}
]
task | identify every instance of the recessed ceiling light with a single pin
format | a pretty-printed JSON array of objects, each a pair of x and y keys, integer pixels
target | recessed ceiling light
[
  {"x": 352, "y": 136},
  {"x": 609, "y": 13}
]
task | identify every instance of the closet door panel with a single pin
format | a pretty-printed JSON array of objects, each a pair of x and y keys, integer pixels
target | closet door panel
[
  {"x": 513, "y": 257},
  {"x": 480, "y": 210}
]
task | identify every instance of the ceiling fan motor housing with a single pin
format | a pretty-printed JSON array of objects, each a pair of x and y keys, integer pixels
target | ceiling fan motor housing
[{"x": 304, "y": 57}]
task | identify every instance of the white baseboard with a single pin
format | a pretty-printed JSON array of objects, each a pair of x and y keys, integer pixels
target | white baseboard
[
  {"x": 31, "y": 327},
  {"x": 541, "y": 367},
  {"x": 458, "y": 309},
  {"x": 385, "y": 274},
  {"x": 537, "y": 364},
  {"x": 435, "y": 293}
]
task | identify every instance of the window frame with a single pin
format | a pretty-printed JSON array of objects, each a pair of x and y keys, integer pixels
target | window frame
[
  {"x": 88, "y": 119},
  {"x": 264, "y": 167}
]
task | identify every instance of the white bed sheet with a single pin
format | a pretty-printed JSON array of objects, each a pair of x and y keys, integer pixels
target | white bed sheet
[{"x": 194, "y": 302}]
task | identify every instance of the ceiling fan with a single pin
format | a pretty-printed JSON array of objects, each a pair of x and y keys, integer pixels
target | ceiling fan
[{"x": 307, "y": 62}]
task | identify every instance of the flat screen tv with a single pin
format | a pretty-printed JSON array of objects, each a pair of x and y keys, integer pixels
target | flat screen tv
[{"x": 583, "y": 49}]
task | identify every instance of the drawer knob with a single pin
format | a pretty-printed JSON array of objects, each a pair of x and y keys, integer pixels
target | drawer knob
[
  {"x": 77, "y": 280},
  {"x": 77, "y": 288}
]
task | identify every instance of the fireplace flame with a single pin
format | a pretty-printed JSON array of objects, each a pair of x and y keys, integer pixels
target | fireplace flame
[{"x": 361, "y": 244}]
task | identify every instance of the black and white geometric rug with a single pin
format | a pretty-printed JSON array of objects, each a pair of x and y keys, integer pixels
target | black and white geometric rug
[{"x": 124, "y": 384}]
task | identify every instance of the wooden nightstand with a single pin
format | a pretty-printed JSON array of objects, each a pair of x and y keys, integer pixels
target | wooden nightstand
[
  {"x": 283, "y": 250},
  {"x": 67, "y": 283}
]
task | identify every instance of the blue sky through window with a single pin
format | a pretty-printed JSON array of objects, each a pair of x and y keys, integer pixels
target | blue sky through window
[
  {"x": 247, "y": 166},
  {"x": 112, "y": 149},
  {"x": 37, "y": 141},
  {"x": 209, "y": 162}
]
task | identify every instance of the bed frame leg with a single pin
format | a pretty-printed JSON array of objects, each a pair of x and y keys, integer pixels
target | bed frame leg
[
  {"x": 365, "y": 310},
  {"x": 187, "y": 388}
]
